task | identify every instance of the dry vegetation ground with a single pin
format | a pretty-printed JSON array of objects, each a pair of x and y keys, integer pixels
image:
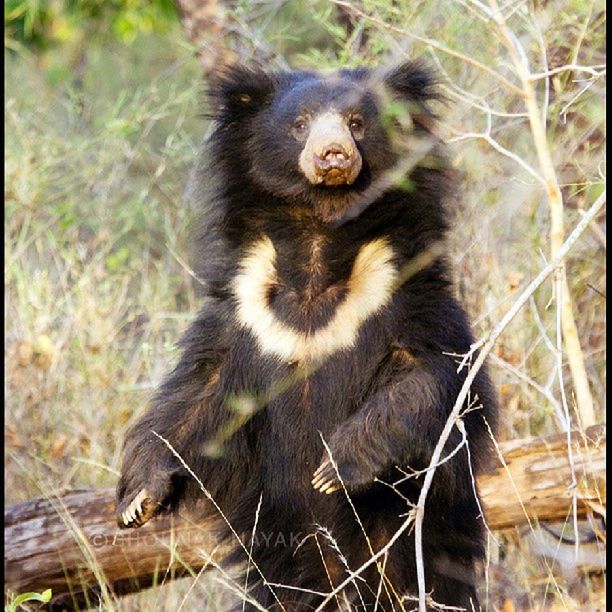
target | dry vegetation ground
[{"x": 96, "y": 236}]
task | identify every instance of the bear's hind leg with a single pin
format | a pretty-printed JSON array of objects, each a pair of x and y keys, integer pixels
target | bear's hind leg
[{"x": 453, "y": 583}]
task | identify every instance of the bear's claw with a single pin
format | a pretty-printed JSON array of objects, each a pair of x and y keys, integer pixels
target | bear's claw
[
  {"x": 140, "y": 510},
  {"x": 325, "y": 479}
]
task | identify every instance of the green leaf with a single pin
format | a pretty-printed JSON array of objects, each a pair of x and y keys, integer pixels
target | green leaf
[
  {"x": 43, "y": 597},
  {"x": 115, "y": 260}
]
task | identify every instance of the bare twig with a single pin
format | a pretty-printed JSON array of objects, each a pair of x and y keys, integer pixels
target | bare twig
[
  {"x": 506, "y": 152},
  {"x": 555, "y": 202},
  {"x": 380, "y": 567},
  {"x": 430, "y": 42},
  {"x": 473, "y": 371},
  {"x": 563, "y": 423},
  {"x": 595, "y": 71}
]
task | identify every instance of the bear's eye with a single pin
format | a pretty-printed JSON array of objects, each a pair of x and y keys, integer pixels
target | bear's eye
[
  {"x": 300, "y": 127},
  {"x": 355, "y": 124}
]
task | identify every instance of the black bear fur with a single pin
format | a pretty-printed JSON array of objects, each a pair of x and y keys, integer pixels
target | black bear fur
[{"x": 380, "y": 402}]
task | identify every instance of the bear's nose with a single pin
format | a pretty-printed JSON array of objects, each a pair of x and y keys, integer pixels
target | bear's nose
[
  {"x": 335, "y": 151},
  {"x": 333, "y": 156}
]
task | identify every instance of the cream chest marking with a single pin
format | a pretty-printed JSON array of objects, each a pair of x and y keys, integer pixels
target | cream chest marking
[{"x": 370, "y": 287}]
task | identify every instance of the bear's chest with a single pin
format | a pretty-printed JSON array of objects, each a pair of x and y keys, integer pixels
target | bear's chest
[{"x": 296, "y": 312}]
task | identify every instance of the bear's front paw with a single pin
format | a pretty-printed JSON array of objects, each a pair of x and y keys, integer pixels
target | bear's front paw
[
  {"x": 328, "y": 479},
  {"x": 139, "y": 511},
  {"x": 140, "y": 499}
]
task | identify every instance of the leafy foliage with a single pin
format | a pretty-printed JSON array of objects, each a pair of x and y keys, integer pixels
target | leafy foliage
[
  {"x": 43, "y": 24},
  {"x": 22, "y": 598}
]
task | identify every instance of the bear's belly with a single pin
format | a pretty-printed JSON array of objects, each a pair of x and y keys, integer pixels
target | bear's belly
[{"x": 298, "y": 419}]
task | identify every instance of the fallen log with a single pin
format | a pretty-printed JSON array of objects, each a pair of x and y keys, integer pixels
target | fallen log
[
  {"x": 535, "y": 484},
  {"x": 71, "y": 544}
]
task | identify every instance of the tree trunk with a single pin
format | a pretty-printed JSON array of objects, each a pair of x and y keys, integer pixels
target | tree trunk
[
  {"x": 204, "y": 24},
  {"x": 71, "y": 544}
]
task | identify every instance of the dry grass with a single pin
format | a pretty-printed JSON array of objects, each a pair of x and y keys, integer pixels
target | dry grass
[
  {"x": 95, "y": 227},
  {"x": 95, "y": 297}
]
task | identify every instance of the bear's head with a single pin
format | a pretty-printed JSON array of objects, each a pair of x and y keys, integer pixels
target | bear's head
[{"x": 333, "y": 142}]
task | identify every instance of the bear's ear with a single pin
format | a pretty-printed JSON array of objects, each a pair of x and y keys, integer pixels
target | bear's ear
[
  {"x": 239, "y": 91},
  {"x": 413, "y": 81}
]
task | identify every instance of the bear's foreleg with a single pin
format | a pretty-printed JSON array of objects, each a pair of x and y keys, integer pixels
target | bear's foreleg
[
  {"x": 152, "y": 476},
  {"x": 398, "y": 426}
]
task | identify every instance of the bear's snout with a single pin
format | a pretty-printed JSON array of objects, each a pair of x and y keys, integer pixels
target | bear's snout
[
  {"x": 335, "y": 166},
  {"x": 330, "y": 156}
]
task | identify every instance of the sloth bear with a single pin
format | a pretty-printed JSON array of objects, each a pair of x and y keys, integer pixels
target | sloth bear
[{"x": 315, "y": 381}]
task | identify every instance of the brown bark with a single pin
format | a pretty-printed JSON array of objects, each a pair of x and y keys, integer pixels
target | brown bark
[
  {"x": 71, "y": 543},
  {"x": 536, "y": 485},
  {"x": 204, "y": 24}
]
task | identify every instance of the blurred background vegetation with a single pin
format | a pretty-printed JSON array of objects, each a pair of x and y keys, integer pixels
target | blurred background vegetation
[{"x": 102, "y": 122}]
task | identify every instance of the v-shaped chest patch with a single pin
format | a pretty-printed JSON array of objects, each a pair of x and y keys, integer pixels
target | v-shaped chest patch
[{"x": 369, "y": 288}]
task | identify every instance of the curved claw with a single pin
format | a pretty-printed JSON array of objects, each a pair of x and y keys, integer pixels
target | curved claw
[
  {"x": 140, "y": 510},
  {"x": 325, "y": 478}
]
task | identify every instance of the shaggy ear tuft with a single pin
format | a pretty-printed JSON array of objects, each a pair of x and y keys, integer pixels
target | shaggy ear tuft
[
  {"x": 238, "y": 91},
  {"x": 413, "y": 81}
]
